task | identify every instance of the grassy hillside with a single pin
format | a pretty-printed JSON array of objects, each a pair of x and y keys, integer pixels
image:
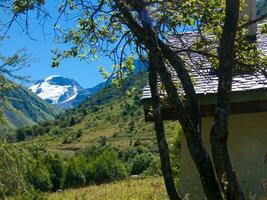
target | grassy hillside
[
  {"x": 108, "y": 117},
  {"x": 23, "y": 108},
  {"x": 140, "y": 189}
]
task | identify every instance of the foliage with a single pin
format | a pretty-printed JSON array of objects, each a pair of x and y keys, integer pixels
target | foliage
[
  {"x": 38, "y": 176},
  {"x": 81, "y": 170},
  {"x": 56, "y": 170},
  {"x": 175, "y": 154},
  {"x": 107, "y": 167},
  {"x": 20, "y": 135},
  {"x": 21, "y": 6},
  {"x": 23, "y": 172},
  {"x": 32, "y": 195},
  {"x": 154, "y": 168},
  {"x": 13, "y": 167},
  {"x": 9, "y": 65},
  {"x": 75, "y": 172},
  {"x": 141, "y": 163}
]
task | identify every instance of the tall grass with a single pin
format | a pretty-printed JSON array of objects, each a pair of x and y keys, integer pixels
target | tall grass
[{"x": 138, "y": 189}]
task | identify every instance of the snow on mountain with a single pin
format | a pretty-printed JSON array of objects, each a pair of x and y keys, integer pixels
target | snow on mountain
[
  {"x": 56, "y": 89},
  {"x": 64, "y": 92},
  {"x": 67, "y": 93}
]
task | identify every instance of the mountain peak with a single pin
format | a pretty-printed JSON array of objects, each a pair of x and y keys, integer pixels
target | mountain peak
[
  {"x": 52, "y": 76},
  {"x": 56, "y": 89},
  {"x": 63, "y": 92}
]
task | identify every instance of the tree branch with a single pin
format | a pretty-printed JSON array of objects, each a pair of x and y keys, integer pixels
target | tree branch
[{"x": 262, "y": 17}]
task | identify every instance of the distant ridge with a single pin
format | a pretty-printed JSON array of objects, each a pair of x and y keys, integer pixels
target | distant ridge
[
  {"x": 23, "y": 108},
  {"x": 67, "y": 93},
  {"x": 63, "y": 92}
]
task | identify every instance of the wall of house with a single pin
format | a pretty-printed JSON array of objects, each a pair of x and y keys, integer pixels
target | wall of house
[{"x": 248, "y": 151}]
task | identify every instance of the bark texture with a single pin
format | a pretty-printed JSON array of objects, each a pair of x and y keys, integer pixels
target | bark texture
[
  {"x": 160, "y": 133},
  {"x": 219, "y": 132}
]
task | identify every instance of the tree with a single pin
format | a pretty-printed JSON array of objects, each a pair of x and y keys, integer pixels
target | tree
[
  {"x": 219, "y": 132},
  {"x": 147, "y": 28},
  {"x": 9, "y": 65},
  {"x": 56, "y": 170},
  {"x": 12, "y": 170},
  {"x": 20, "y": 134},
  {"x": 75, "y": 172}
]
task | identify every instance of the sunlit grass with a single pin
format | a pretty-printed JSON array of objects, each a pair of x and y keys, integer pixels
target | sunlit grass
[{"x": 139, "y": 189}]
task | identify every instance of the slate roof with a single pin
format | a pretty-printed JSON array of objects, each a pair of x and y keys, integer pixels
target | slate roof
[{"x": 206, "y": 82}]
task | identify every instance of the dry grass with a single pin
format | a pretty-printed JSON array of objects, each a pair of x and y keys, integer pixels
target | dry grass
[{"x": 140, "y": 189}]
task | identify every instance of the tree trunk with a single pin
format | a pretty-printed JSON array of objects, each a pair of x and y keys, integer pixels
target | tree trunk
[
  {"x": 148, "y": 37},
  {"x": 219, "y": 132},
  {"x": 160, "y": 134}
]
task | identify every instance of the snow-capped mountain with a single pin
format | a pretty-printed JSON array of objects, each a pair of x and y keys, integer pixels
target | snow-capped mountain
[
  {"x": 62, "y": 91},
  {"x": 67, "y": 93}
]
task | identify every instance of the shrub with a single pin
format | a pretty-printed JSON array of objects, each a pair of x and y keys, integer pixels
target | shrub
[
  {"x": 31, "y": 195},
  {"x": 79, "y": 134},
  {"x": 20, "y": 135},
  {"x": 38, "y": 130},
  {"x": 13, "y": 161},
  {"x": 140, "y": 163},
  {"x": 95, "y": 108},
  {"x": 137, "y": 143},
  {"x": 175, "y": 156},
  {"x": 55, "y": 131},
  {"x": 72, "y": 121},
  {"x": 38, "y": 176},
  {"x": 127, "y": 155},
  {"x": 154, "y": 167},
  {"x": 56, "y": 170},
  {"x": 102, "y": 140},
  {"x": 107, "y": 167},
  {"x": 75, "y": 172},
  {"x": 64, "y": 123}
]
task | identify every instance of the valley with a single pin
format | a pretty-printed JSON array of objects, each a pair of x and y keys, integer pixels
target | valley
[
  {"x": 133, "y": 100},
  {"x": 107, "y": 125},
  {"x": 108, "y": 115}
]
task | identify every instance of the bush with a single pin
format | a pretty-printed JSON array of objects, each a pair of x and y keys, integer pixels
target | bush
[
  {"x": 55, "y": 131},
  {"x": 20, "y": 135},
  {"x": 64, "y": 123},
  {"x": 141, "y": 162},
  {"x": 107, "y": 167},
  {"x": 75, "y": 172},
  {"x": 72, "y": 121},
  {"x": 154, "y": 167},
  {"x": 79, "y": 134},
  {"x": 38, "y": 130},
  {"x": 56, "y": 170},
  {"x": 13, "y": 164},
  {"x": 39, "y": 177},
  {"x": 175, "y": 156},
  {"x": 127, "y": 155},
  {"x": 102, "y": 140},
  {"x": 31, "y": 195}
]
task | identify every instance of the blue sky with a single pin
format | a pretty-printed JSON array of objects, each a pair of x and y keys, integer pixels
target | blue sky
[{"x": 40, "y": 50}]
